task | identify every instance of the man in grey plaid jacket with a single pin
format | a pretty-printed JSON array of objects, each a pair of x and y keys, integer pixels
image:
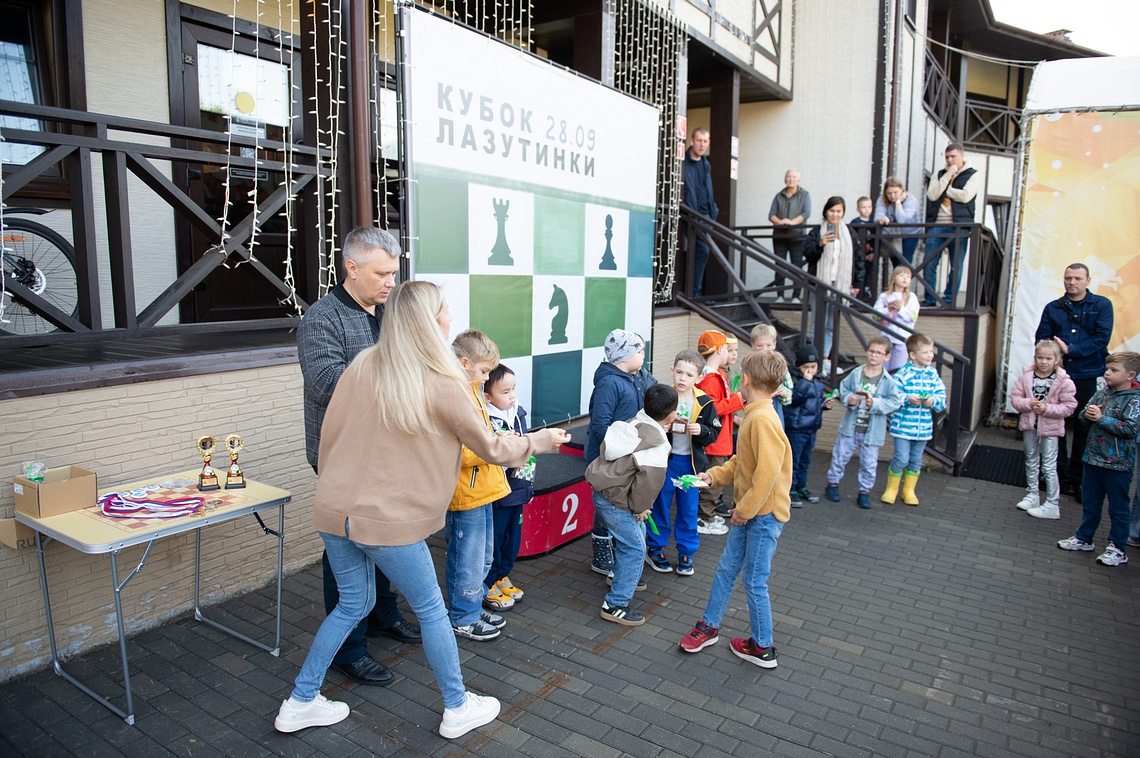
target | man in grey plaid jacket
[{"x": 332, "y": 332}]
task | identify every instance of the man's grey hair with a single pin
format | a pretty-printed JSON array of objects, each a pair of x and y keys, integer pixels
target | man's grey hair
[{"x": 363, "y": 242}]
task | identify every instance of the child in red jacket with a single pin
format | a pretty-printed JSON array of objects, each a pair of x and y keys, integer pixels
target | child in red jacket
[{"x": 718, "y": 350}]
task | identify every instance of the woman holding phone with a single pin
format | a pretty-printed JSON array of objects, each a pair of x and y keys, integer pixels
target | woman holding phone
[{"x": 831, "y": 255}]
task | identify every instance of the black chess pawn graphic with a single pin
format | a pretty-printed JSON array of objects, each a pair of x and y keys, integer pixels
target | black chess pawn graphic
[
  {"x": 608, "y": 263},
  {"x": 561, "y": 307},
  {"x": 501, "y": 252}
]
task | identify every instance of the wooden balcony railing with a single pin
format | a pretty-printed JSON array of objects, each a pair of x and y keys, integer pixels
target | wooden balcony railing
[{"x": 126, "y": 146}]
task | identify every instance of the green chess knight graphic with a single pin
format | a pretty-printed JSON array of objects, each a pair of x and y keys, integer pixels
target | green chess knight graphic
[
  {"x": 561, "y": 307},
  {"x": 501, "y": 252}
]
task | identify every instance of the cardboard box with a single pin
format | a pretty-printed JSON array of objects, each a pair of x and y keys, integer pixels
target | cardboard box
[
  {"x": 16, "y": 535},
  {"x": 68, "y": 488}
]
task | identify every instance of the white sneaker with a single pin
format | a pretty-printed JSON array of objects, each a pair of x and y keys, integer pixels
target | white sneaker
[
  {"x": 826, "y": 370},
  {"x": 1112, "y": 556},
  {"x": 1045, "y": 511},
  {"x": 1072, "y": 543},
  {"x": 779, "y": 299},
  {"x": 711, "y": 527},
  {"x": 795, "y": 301},
  {"x": 1029, "y": 501},
  {"x": 718, "y": 519},
  {"x": 474, "y": 713},
  {"x": 321, "y": 711}
]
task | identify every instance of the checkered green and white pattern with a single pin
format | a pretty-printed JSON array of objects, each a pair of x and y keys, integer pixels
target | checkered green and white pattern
[{"x": 549, "y": 297}]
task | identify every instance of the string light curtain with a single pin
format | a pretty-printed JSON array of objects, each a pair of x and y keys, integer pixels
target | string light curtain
[{"x": 649, "y": 45}]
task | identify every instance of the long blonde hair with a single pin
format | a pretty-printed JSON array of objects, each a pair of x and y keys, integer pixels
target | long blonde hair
[{"x": 411, "y": 348}]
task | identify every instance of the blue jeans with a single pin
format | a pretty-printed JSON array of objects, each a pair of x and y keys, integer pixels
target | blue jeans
[
  {"x": 470, "y": 549},
  {"x": 1098, "y": 483},
  {"x": 384, "y": 615},
  {"x": 802, "y": 444},
  {"x": 908, "y": 455},
  {"x": 629, "y": 549},
  {"x": 749, "y": 547},
  {"x": 1134, "y": 528},
  {"x": 688, "y": 541},
  {"x": 957, "y": 253},
  {"x": 507, "y": 539},
  {"x": 411, "y": 569}
]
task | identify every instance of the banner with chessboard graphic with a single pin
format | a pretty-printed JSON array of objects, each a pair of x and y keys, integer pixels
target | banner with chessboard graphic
[{"x": 531, "y": 204}]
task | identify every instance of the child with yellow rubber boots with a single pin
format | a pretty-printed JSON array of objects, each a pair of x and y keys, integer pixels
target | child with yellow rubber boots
[{"x": 912, "y": 425}]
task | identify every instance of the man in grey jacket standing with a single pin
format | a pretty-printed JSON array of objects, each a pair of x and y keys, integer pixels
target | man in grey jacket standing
[{"x": 333, "y": 331}]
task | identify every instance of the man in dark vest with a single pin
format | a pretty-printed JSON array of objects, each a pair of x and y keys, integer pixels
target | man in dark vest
[
  {"x": 1081, "y": 325},
  {"x": 698, "y": 195},
  {"x": 950, "y": 199}
]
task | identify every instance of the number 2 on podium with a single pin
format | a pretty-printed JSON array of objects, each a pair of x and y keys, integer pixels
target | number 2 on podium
[{"x": 570, "y": 507}]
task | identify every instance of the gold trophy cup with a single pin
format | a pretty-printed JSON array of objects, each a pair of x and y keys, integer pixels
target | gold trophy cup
[
  {"x": 208, "y": 479},
  {"x": 234, "y": 479}
]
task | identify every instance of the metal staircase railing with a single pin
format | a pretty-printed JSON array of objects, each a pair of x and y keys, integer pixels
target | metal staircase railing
[{"x": 740, "y": 307}]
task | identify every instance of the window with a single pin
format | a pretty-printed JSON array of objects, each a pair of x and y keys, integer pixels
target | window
[
  {"x": 41, "y": 63},
  {"x": 20, "y": 77}
]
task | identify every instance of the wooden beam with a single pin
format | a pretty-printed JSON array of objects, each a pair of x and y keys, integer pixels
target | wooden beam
[
  {"x": 119, "y": 239},
  {"x": 15, "y": 181},
  {"x": 360, "y": 111},
  {"x": 83, "y": 238},
  {"x": 43, "y": 308}
]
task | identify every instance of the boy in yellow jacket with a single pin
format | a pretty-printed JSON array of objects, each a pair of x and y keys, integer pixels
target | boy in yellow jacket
[
  {"x": 469, "y": 528},
  {"x": 761, "y": 476}
]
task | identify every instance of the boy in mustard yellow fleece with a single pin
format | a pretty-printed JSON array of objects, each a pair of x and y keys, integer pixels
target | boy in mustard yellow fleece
[
  {"x": 469, "y": 527},
  {"x": 761, "y": 476}
]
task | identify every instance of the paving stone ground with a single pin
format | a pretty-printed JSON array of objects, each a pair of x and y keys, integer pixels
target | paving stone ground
[{"x": 956, "y": 628}]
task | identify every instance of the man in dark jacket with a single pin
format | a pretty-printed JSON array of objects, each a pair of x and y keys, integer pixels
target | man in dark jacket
[
  {"x": 1081, "y": 325},
  {"x": 950, "y": 199},
  {"x": 332, "y": 332},
  {"x": 698, "y": 195}
]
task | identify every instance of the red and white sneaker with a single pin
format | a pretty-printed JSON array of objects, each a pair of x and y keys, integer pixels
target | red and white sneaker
[
  {"x": 748, "y": 650},
  {"x": 701, "y": 637}
]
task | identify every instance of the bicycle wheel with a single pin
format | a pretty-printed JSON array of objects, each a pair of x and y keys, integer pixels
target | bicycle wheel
[{"x": 39, "y": 258}]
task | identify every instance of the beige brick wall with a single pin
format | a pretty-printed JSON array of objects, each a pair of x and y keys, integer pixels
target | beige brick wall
[{"x": 136, "y": 431}]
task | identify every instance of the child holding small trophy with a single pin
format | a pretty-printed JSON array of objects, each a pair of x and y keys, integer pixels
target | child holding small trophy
[
  {"x": 695, "y": 427},
  {"x": 870, "y": 395}
]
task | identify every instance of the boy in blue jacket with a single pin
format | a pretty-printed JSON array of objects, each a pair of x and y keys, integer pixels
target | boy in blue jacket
[
  {"x": 912, "y": 425},
  {"x": 802, "y": 419},
  {"x": 619, "y": 388}
]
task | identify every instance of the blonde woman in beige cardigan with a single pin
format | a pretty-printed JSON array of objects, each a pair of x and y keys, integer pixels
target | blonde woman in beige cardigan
[{"x": 389, "y": 460}]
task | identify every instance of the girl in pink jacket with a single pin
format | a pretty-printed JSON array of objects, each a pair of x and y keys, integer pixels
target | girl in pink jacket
[{"x": 1044, "y": 395}]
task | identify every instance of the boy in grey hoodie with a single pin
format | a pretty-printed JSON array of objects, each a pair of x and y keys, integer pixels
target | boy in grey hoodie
[{"x": 626, "y": 477}]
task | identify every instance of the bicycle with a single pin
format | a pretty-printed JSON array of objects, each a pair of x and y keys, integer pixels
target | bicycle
[{"x": 39, "y": 258}]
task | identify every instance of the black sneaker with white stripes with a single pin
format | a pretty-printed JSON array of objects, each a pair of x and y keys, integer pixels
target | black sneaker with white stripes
[{"x": 621, "y": 614}]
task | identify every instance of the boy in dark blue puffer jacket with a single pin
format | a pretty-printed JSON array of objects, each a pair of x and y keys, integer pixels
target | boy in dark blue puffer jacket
[{"x": 802, "y": 419}]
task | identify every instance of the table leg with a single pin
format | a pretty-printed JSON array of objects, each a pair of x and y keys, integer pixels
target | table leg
[
  {"x": 200, "y": 616},
  {"x": 57, "y": 665},
  {"x": 130, "y": 717}
]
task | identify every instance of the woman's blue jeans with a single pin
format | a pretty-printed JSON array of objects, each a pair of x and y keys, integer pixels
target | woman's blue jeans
[
  {"x": 470, "y": 550},
  {"x": 908, "y": 455},
  {"x": 411, "y": 570},
  {"x": 750, "y": 549}
]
